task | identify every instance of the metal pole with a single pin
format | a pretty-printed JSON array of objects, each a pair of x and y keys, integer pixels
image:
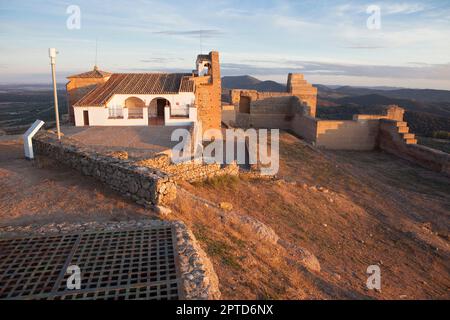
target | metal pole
[{"x": 52, "y": 54}]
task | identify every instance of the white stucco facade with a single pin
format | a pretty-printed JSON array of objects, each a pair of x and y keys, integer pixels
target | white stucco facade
[{"x": 182, "y": 110}]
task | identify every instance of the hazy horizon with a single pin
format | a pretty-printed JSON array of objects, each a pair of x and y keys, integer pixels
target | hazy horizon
[{"x": 62, "y": 82}]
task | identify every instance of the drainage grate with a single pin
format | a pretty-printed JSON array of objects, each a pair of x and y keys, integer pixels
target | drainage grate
[{"x": 132, "y": 264}]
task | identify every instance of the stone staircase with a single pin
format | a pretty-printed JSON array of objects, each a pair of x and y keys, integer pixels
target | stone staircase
[{"x": 403, "y": 130}]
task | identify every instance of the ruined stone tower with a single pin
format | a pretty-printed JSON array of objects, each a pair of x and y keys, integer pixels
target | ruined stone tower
[{"x": 298, "y": 86}]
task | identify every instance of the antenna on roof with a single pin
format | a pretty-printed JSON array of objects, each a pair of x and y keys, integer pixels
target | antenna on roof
[
  {"x": 201, "y": 46},
  {"x": 96, "y": 51}
]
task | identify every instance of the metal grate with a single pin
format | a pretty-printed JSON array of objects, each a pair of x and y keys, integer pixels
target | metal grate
[{"x": 132, "y": 264}]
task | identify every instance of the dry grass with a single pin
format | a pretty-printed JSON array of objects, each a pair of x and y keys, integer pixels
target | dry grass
[{"x": 364, "y": 219}]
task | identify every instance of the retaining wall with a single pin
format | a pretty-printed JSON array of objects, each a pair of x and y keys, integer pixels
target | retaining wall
[
  {"x": 190, "y": 171},
  {"x": 142, "y": 184}
]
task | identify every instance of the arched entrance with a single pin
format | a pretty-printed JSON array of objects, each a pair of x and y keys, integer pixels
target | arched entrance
[
  {"x": 156, "y": 110},
  {"x": 135, "y": 108}
]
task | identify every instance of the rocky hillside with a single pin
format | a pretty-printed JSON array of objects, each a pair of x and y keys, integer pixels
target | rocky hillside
[{"x": 312, "y": 233}]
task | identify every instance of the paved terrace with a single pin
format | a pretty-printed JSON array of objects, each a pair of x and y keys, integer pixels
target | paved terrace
[{"x": 139, "y": 141}]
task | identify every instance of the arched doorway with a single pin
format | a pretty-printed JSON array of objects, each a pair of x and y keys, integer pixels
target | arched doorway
[
  {"x": 156, "y": 110},
  {"x": 135, "y": 108}
]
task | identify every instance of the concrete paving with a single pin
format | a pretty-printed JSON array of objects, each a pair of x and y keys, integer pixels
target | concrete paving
[{"x": 138, "y": 141}]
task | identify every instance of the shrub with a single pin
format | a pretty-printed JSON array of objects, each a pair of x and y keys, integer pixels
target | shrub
[{"x": 441, "y": 135}]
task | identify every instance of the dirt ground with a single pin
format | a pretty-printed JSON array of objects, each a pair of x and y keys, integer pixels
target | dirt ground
[
  {"x": 41, "y": 192},
  {"x": 375, "y": 210},
  {"x": 372, "y": 209}
]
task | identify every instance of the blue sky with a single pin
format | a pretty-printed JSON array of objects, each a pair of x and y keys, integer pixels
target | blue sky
[{"x": 328, "y": 41}]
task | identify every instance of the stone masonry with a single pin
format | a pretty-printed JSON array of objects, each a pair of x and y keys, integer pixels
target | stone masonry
[
  {"x": 142, "y": 184},
  {"x": 208, "y": 90}
]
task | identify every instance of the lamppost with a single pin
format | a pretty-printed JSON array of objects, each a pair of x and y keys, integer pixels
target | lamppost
[{"x": 52, "y": 53}]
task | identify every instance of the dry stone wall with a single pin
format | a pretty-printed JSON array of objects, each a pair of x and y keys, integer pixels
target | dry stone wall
[
  {"x": 189, "y": 171},
  {"x": 142, "y": 184}
]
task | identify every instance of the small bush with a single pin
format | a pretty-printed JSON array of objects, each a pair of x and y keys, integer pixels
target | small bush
[
  {"x": 441, "y": 135},
  {"x": 219, "y": 182}
]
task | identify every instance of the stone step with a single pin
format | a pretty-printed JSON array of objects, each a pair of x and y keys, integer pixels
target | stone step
[
  {"x": 403, "y": 129},
  {"x": 411, "y": 141},
  {"x": 409, "y": 136},
  {"x": 401, "y": 124}
]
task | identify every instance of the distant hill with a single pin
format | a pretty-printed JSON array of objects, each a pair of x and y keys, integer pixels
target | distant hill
[
  {"x": 423, "y": 95},
  {"x": 251, "y": 83}
]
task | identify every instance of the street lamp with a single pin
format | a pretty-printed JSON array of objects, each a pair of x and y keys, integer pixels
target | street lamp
[{"x": 52, "y": 54}]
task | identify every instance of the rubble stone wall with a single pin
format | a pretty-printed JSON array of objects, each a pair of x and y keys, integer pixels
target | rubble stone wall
[
  {"x": 142, "y": 184},
  {"x": 190, "y": 171}
]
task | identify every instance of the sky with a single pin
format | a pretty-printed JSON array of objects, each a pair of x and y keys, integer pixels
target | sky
[{"x": 331, "y": 42}]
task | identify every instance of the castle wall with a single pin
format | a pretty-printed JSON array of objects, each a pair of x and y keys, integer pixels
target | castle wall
[
  {"x": 392, "y": 141},
  {"x": 267, "y": 109},
  {"x": 299, "y": 87},
  {"x": 229, "y": 114},
  {"x": 305, "y": 127},
  {"x": 276, "y": 109},
  {"x": 347, "y": 134}
]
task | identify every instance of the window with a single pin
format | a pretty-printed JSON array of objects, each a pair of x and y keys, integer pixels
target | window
[{"x": 115, "y": 111}]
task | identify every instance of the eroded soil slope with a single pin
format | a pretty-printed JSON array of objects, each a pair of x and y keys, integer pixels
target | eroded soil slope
[{"x": 349, "y": 209}]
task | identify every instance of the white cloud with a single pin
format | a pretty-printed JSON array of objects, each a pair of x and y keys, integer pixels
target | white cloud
[
  {"x": 290, "y": 22},
  {"x": 402, "y": 8}
]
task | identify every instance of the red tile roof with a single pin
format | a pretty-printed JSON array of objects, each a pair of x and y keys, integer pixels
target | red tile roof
[
  {"x": 137, "y": 83},
  {"x": 95, "y": 73}
]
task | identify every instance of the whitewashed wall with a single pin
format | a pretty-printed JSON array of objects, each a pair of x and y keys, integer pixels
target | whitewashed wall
[{"x": 99, "y": 116}]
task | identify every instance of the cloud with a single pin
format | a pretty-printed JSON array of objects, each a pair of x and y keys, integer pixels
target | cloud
[
  {"x": 368, "y": 47},
  {"x": 387, "y": 8},
  {"x": 290, "y": 22},
  {"x": 402, "y": 8},
  {"x": 191, "y": 33},
  {"x": 161, "y": 60},
  {"x": 422, "y": 71}
]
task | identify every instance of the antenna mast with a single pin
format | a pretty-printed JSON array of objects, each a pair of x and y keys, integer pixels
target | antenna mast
[{"x": 96, "y": 51}]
